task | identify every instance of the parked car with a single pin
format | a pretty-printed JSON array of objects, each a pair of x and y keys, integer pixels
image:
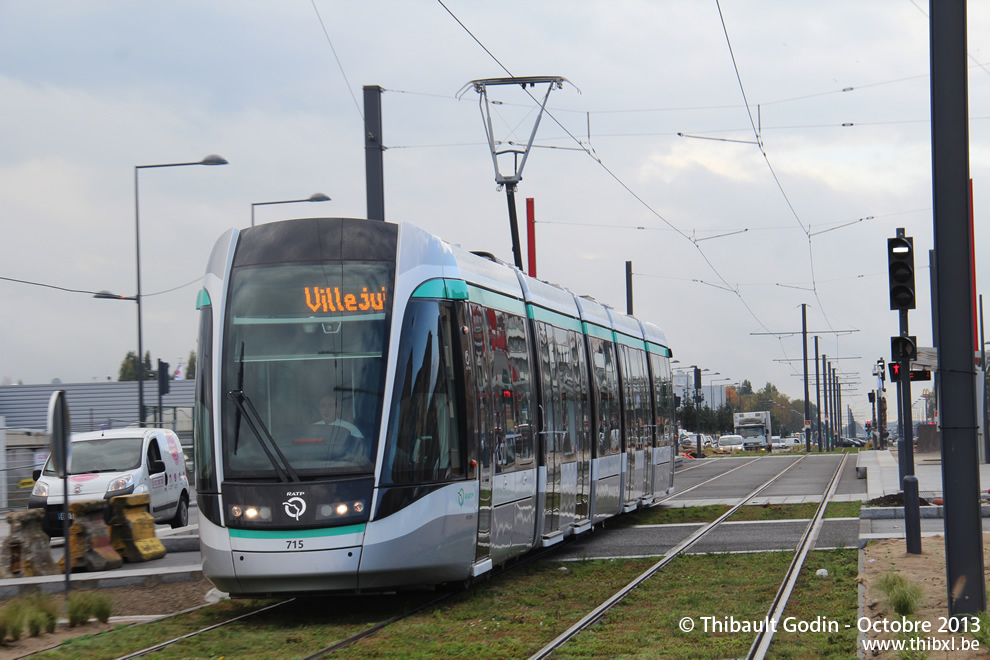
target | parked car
[
  {"x": 848, "y": 442},
  {"x": 689, "y": 441},
  {"x": 731, "y": 441}
]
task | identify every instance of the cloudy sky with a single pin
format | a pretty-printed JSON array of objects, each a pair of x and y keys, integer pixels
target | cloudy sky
[{"x": 649, "y": 155}]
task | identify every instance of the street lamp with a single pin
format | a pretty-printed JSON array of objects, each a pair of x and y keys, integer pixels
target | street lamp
[
  {"x": 315, "y": 197},
  {"x": 212, "y": 159},
  {"x": 711, "y": 384}
]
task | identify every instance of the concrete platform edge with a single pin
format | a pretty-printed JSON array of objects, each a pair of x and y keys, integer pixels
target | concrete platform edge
[{"x": 54, "y": 584}]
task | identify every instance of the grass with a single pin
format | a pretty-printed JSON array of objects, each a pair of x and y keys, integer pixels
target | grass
[
  {"x": 822, "y": 599},
  {"x": 516, "y": 614},
  {"x": 661, "y": 515}
]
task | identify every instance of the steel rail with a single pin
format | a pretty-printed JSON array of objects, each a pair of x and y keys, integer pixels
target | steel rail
[
  {"x": 535, "y": 555},
  {"x": 602, "y": 609},
  {"x": 762, "y": 642},
  {"x": 373, "y": 629},
  {"x": 709, "y": 480},
  {"x": 162, "y": 645}
]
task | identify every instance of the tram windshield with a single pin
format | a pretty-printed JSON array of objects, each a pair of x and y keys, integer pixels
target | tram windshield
[{"x": 303, "y": 369}]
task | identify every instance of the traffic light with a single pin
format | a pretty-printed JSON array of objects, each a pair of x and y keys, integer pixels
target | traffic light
[
  {"x": 882, "y": 374},
  {"x": 900, "y": 266},
  {"x": 914, "y": 374},
  {"x": 903, "y": 348},
  {"x": 162, "y": 378},
  {"x": 872, "y": 397}
]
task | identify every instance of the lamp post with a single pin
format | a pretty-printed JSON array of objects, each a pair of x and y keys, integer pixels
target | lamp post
[
  {"x": 315, "y": 197},
  {"x": 212, "y": 159}
]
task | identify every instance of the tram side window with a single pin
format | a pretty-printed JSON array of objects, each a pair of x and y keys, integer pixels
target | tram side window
[
  {"x": 663, "y": 400},
  {"x": 637, "y": 396},
  {"x": 508, "y": 358},
  {"x": 425, "y": 435},
  {"x": 583, "y": 417},
  {"x": 501, "y": 380},
  {"x": 544, "y": 334},
  {"x": 203, "y": 412},
  {"x": 569, "y": 377},
  {"x": 607, "y": 392},
  {"x": 521, "y": 403}
]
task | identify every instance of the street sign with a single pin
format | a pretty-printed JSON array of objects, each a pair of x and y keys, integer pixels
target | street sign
[{"x": 58, "y": 430}]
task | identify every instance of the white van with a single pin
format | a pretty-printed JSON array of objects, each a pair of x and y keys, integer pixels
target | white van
[
  {"x": 731, "y": 442},
  {"x": 106, "y": 464}
]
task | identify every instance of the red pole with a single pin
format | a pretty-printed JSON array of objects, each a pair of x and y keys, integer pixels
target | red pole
[
  {"x": 972, "y": 268},
  {"x": 531, "y": 235}
]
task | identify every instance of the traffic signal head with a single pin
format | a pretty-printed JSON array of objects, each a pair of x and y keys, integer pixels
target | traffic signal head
[
  {"x": 881, "y": 373},
  {"x": 163, "y": 378},
  {"x": 900, "y": 266},
  {"x": 903, "y": 348}
]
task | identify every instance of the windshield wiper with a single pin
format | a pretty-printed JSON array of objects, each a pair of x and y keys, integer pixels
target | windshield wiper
[
  {"x": 240, "y": 388},
  {"x": 245, "y": 406}
]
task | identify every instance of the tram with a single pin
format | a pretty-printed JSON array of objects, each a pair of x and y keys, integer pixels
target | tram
[{"x": 377, "y": 409}]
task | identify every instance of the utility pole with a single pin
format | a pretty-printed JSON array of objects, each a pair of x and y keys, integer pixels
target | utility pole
[
  {"x": 818, "y": 397},
  {"x": 629, "y": 288},
  {"x": 374, "y": 151},
  {"x": 955, "y": 291}
]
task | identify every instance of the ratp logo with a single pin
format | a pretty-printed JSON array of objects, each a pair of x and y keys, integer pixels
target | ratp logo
[
  {"x": 460, "y": 497},
  {"x": 295, "y": 507}
]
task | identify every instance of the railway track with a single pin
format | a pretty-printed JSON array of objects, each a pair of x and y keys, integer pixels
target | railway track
[
  {"x": 427, "y": 602},
  {"x": 763, "y": 639},
  {"x": 388, "y": 618}
]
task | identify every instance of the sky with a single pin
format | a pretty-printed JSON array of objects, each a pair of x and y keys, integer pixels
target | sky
[{"x": 650, "y": 153}]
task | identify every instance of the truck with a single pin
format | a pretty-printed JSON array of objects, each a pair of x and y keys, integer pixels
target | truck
[{"x": 754, "y": 427}]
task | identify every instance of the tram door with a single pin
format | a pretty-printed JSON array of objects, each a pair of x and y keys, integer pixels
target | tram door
[
  {"x": 580, "y": 426},
  {"x": 550, "y": 435},
  {"x": 484, "y": 427}
]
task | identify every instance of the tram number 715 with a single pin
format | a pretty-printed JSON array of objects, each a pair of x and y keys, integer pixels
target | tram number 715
[{"x": 294, "y": 545}]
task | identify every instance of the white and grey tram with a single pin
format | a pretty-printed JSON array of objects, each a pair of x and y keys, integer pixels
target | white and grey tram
[{"x": 478, "y": 413}]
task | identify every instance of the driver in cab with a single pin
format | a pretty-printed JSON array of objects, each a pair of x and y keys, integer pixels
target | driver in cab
[{"x": 347, "y": 443}]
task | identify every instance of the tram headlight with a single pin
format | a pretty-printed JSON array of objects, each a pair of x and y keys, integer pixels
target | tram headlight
[
  {"x": 340, "y": 510},
  {"x": 250, "y": 513}
]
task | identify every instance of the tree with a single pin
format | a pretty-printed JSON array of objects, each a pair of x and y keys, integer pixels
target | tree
[
  {"x": 129, "y": 367},
  {"x": 686, "y": 416},
  {"x": 191, "y": 366},
  {"x": 746, "y": 388}
]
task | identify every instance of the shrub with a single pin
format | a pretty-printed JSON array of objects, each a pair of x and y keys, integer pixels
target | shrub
[
  {"x": 14, "y": 615},
  {"x": 903, "y": 595},
  {"x": 48, "y": 607},
  {"x": 983, "y": 634},
  {"x": 101, "y": 606},
  {"x": 36, "y": 622},
  {"x": 78, "y": 609}
]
